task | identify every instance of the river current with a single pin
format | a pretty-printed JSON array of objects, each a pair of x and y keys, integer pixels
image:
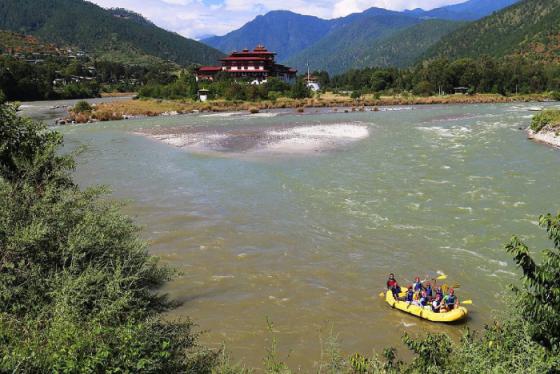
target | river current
[{"x": 299, "y": 218}]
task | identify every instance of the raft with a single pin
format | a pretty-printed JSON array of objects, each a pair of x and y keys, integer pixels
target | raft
[{"x": 426, "y": 313}]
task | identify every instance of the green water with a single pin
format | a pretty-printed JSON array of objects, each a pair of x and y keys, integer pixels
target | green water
[{"x": 307, "y": 238}]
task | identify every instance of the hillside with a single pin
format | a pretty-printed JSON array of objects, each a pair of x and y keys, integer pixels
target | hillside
[
  {"x": 404, "y": 47},
  {"x": 107, "y": 33},
  {"x": 13, "y": 43},
  {"x": 530, "y": 28},
  {"x": 284, "y": 32},
  {"x": 344, "y": 47}
]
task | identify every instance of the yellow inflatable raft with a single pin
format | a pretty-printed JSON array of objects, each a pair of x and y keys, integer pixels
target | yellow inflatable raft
[{"x": 426, "y": 313}]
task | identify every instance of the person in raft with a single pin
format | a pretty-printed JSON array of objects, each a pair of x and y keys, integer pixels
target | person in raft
[
  {"x": 393, "y": 285},
  {"x": 450, "y": 301},
  {"x": 437, "y": 304},
  {"x": 418, "y": 286}
]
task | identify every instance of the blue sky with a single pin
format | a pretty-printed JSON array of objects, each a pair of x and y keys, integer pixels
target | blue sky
[{"x": 196, "y": 18}]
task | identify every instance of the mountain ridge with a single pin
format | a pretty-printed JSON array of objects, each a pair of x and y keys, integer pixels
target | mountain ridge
[
  {"x": 530, "y": 28},
  {"x": 104, "y": 32},
  {"x": 302, "y": 42}
]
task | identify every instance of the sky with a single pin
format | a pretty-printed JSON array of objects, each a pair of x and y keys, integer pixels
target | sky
[{"x": 199, "y": 18}]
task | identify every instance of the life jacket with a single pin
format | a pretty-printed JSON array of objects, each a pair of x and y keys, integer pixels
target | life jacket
[
  {"x": 409, "y": 296},
  {"x": 450, "y": 299},
  {"x": 429, "y": 291}
]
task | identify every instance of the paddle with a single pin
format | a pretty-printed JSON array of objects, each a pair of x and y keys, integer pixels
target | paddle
[
  {"x": 467, "y": 302},
  {"x": 442, "y": 277}
]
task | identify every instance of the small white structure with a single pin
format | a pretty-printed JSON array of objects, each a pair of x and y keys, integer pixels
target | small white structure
[
  {"x": 203, "y": 95},
  {"x": 312, "y": 81}
]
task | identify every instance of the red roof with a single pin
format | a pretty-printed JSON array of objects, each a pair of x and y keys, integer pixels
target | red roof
[
  {"x": 246, "y": 71},
  {"x": 230, "y": 58},
  {"x": 210, "y": 68},
  {"x": 262, "y": 53}
]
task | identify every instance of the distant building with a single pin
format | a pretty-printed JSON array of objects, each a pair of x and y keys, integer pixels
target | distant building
[
  {"x": 461, "y": 90},
  {"x": 313, "y": 83},
  {"x": 203, "y": 95},
  {"x": 257, "y": 65}
]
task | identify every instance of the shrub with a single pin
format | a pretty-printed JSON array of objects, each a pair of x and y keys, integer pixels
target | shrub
[
  {"x": 81, "y": 107},
  {"x": 77, "y": 284},
  {"x": 545, "y": 118}
]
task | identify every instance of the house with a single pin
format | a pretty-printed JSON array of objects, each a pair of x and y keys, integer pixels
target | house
[
  {"x": 461, "y": 90},
  {"x": 256, "y": 65}
]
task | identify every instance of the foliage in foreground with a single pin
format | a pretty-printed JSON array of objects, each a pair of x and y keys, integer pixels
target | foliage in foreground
[{"x": 78, "y": 289}]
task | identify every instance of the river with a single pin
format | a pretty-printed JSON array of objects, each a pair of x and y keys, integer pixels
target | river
[{"x": 299, "y": 218}]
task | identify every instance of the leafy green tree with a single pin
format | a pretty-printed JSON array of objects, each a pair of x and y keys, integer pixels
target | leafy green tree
[
  {"x": 538, "y": 299},
  {"x": 300, "y": 90},
  {"x": 78, "y": 289}
]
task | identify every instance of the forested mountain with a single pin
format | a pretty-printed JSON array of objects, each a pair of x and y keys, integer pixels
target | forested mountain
[
  {"x": 114, "y": 34},
  {"x": 284, "y": 32},
  {"x": 531, "y": 28},
  {"x": 403, "y": 48},
  {"x": 354, "y": 41},
  {"x": 347, "y": 44}
]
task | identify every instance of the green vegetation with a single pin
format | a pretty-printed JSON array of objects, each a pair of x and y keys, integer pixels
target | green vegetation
[
  {"x": 405, "y": 47},
  {"x": 350, "y": 43},
  {"x": 529, "y": 28},
  {"x": 547, "y": 118},
  {"x": 185, "y": 86},
  {"x": 101, "y": 32},
  {"x": 78, "y": 287},
  {"x": 62, "y": 78},
  {"x": 484, "y": 75},
  {"x": 81, "y": 107}
]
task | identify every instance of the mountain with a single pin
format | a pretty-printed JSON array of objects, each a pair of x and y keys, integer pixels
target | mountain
[
  {"x": 531, "y": 28},
  {"x": 403, "y": 48},
  {"x": 345, "y": 46},
  {"x": 358, "y": 40},
  {"x": 114, "y": 34},
  {"x": 284, "y": 32},
  {"x": 467, "y": 11}
]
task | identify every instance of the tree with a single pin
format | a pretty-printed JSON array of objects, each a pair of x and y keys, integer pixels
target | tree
[
  {"x": 300, "y": 90},
  {"x": 539, "y": 296},
  {"x": 78, "y": 289}
]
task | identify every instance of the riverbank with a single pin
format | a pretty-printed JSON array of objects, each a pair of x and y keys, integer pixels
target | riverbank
[
  {"x": 545, "y": 128},
  {"x": 129, "y": 109}
]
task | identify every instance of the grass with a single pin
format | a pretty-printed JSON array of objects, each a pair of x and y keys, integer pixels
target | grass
[
  {"x": 549, "y": 119},
  {"x": 152, "y": 107}
]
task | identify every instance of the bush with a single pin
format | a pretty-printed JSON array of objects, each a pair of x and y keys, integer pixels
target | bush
[
  {"x": 356, "y": 94},
  {"x": 81, "y": 107},
  {"x": 545, "y": 118},
  {"x": 77, "y": 284}
]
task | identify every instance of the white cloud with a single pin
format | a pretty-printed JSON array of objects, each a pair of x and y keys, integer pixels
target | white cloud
[{"x": 193, "y": 18}]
